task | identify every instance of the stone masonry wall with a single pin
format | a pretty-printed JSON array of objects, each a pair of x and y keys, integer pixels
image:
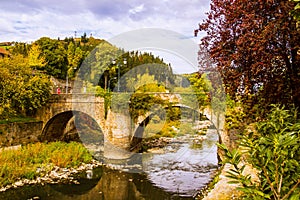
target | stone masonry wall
[
  {"x": 226, "y": 137},
  {"x": 117, "y": 129},
  {"x": 19, "y": 133}
]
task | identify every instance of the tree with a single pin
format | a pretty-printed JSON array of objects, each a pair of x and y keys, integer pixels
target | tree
[
  {"x": 84, "y": 39},
  {"x": 143, "y": 83},
  {"x": 55, "y": 55},
  {"x": 19, "y": 48},
  {"x": 22, "y": 92},
  {"x": 35, "y": 58},
  {"x": 201, "y": 87},
  {"x": 75, "y": 57},
  {"x": 70, "y": 53},
  {"x": 254, "y": 45},
  {"x": 6, "y": 87},
  {"x": 100, "y": 61}
]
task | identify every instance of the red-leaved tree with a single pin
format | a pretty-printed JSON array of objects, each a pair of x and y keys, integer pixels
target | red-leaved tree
[{"x": 255, "y": 47}]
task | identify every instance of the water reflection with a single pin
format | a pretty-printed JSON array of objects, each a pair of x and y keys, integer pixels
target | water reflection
[
  {"x": 113, "y": 185},
  {"x": 186, "y": 170}
]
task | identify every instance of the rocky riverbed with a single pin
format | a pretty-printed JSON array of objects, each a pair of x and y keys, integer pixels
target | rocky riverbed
[
  {"x": 156, "y": 145},
  {"x": 56, "y": 175}
]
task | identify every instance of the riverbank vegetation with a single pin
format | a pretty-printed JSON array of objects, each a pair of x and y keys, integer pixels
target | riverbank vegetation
[
  {"x": 33, "y": 160},
  {"x": 255, "y": 47},
  {"x": 272, "y": 147}
]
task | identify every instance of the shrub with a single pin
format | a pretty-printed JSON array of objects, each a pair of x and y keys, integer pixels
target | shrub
[{"x": 272, "y": 147}]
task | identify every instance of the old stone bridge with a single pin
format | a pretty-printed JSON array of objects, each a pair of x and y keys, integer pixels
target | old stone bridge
[
  {"x": 61, "y": 109},
  {"x": 82, "y": 117}
]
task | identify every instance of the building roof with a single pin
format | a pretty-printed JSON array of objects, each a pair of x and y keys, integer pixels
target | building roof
[{"x": 3, "y": 51}]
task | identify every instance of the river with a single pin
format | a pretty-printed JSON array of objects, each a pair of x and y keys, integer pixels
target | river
[{"x": 184, "y": 168}]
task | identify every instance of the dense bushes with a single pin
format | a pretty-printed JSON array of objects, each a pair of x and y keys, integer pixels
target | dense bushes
[{"x": 272, "y": 147}]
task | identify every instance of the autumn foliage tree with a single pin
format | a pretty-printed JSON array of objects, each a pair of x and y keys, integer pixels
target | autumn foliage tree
[
  {"x": 23, "y": 90},
  {"x": 255, "y": 46}
]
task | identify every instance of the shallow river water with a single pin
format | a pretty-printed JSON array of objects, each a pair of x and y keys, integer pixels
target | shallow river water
[{"x": 184, "y": 168}]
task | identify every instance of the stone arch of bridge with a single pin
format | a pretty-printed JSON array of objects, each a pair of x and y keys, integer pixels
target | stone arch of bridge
[
  {"x": 138, "y": 133},
  {"x": 85, "y": 128}
]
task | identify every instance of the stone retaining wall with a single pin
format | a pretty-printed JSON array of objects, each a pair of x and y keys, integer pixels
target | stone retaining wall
[
  {"x": 226, "y": 137},
  {"x": 19, "y": 133}
]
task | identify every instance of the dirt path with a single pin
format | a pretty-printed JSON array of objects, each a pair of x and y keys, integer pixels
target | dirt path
[{"x": 222, "y": 189}]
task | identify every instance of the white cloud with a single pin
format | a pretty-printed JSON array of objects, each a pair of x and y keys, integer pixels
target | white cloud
[
  {"x": 5, "y": 27},
  {"x": 28, "y": 20},
  {"x": 137, "y": 9}
]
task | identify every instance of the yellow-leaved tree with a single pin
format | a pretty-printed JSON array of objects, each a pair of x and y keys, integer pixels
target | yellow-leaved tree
[{"x": 22, "y": 90}]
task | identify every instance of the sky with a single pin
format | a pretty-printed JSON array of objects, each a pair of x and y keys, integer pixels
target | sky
[{"x": 28, "y": 20}]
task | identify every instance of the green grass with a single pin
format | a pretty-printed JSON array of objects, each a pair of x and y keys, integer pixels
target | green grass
[{"x": 24, "y": 162}]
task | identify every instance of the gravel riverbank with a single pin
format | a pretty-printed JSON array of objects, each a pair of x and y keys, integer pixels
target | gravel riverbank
[{"x": 56, "y": 175}]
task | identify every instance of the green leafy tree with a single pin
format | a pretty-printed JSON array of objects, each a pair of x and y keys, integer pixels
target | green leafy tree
[
  {"x": 70, "y": 53},
  {"x": 141, "y": 101},
  {"x": 75, "y": 57},
  {"x": 100, "y": 61},
  {"x": 130, "y": 83},
  {"x": 146, "y": 83},
  {"x": 201, "y": 87},
  {"x": 6, "y": 89},
  {"x": 35, "y": 93},
  {"x": 55, "y": 55},
  {"x": 20, "y": 48}
]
